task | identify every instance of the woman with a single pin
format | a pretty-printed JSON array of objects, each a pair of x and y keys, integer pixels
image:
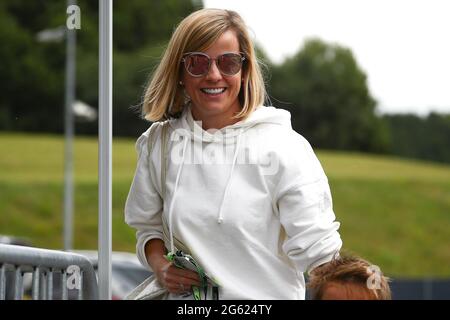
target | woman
[{"x": 244, "y": 194}]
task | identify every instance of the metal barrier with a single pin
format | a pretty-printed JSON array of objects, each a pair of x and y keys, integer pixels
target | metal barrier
[{"x": 45, "y": 274}]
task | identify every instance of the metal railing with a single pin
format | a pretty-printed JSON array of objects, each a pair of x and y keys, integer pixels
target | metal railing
[{"x": 42, "y": 274}]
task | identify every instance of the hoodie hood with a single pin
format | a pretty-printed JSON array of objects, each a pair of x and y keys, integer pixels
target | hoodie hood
[{"x": 261, "y": 115}]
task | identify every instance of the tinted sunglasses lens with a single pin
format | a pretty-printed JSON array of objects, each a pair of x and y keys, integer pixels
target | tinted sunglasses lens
[
  {"x": 230, "y": 63},
  {"x": 197, "y": 64}
]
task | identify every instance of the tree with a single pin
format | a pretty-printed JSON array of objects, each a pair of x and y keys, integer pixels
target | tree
[
  {"x": 32, "y": 73},
  {"x": 328, "y": 98},
  {"x": 416, "y": 137},
  {"x": 140, "y": 23},
  {"x": 31, "y": 90}
]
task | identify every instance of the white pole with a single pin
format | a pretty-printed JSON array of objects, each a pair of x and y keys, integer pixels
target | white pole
[
  {"x": 105, "y": 149},
  {"x": 69, "y": 133}
]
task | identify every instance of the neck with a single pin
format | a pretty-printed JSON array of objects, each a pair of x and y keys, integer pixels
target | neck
[{"x": 214, "y": 121}]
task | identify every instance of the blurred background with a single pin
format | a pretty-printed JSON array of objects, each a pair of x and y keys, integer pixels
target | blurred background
[{"x": 366, "y": 83}]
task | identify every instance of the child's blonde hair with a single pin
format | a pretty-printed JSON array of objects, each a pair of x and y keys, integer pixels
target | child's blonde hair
[{"x": 347, "y": 269}]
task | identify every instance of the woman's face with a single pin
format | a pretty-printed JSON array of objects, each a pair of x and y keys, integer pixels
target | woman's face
[{"x": 223, "y": 102}]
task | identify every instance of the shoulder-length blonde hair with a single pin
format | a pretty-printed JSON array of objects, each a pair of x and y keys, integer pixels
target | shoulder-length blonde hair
[{"x": 164, "y": 98}]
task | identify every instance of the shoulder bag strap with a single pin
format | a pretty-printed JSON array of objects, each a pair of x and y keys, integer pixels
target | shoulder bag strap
[
  {"x": 164, "y": 151},
  {"x": 164, "y": 128}
]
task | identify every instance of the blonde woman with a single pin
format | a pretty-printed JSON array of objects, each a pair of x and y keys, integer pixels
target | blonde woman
[{"x": 243, "y": 193}]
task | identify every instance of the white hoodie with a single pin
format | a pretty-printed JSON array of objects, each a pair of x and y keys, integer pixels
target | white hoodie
[{"x": 250, "y": 201}]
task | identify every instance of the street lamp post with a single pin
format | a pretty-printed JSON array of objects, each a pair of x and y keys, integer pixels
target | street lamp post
[{"x": 59, "y": 34}]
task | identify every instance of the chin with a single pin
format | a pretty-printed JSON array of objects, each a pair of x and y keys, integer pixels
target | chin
[{"x": 212, "y": 107}]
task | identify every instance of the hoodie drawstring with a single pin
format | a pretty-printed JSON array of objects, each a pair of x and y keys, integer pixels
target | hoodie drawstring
[
  {"x": 172, "y": 247},
  {"x": 220, "y": 217}
]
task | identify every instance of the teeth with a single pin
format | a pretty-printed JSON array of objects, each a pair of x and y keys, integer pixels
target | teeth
[{"x": 214, "y": 91}]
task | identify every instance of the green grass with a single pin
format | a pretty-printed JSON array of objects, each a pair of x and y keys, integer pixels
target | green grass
[{"x": 393, "y": 212}]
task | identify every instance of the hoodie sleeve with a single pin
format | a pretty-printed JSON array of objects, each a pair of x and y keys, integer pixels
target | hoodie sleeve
[
  {"x": 305, "y": 209},
  {"x": 144, "y": 205}
]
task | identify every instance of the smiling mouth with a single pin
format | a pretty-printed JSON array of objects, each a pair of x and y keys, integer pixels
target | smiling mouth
[{"x": 213, "y": 91}]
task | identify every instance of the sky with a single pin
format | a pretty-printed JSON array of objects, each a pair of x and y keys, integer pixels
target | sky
[{"x": 403, "y": 46}]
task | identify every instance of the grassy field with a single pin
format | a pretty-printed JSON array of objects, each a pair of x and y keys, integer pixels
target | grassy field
[{"x": 394, "y": 212}]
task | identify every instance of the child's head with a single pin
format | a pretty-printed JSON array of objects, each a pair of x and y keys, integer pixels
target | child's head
[{"x": 348, "y": 277}]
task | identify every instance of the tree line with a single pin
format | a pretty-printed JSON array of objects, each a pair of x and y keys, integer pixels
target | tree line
[
  {"x": 330, "y": 103},
  {"x": 322, "y": 85}
]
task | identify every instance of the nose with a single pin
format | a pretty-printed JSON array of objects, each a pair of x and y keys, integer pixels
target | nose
[{"x": 214, "y": 72}]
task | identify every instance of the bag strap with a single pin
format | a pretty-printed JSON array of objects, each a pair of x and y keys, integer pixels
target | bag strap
[
  {"x": 165, "y": 125},
  {"x": 151, "y": 142}
]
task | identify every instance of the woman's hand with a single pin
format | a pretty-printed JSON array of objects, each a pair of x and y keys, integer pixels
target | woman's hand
[{"x": 174, "y": 279}]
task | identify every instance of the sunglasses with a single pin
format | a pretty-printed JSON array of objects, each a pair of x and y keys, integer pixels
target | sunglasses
[{"x": 197, "y": 64}]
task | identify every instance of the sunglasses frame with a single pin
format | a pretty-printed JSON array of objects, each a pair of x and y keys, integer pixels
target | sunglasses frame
[{"x": 183, "y": 60}]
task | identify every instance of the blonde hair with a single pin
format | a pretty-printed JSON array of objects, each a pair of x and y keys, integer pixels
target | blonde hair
[
  {"x": 347, "y": 269},
  {"x": 164, "y": 98}
]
